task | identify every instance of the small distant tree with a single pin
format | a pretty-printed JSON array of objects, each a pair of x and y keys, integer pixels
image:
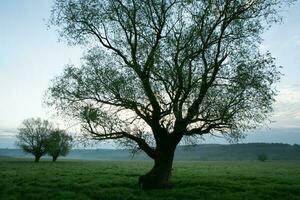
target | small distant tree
[
  {"x": 32, "y": 136},
  {"x": 59, "y": 143},
  {"x": 262, "y": 157}
]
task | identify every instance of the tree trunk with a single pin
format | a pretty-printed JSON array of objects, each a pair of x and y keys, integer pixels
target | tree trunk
[
  {"x": 54, "y": 158},
  {"x": 159, "y": 176},
  {"x": 37, "y": 158}
]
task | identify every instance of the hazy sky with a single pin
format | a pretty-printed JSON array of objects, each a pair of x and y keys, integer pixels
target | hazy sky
[{"x": 30, "y": 56}]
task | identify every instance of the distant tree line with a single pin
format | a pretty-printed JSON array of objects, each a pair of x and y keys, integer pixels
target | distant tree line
[{"x": 38, "y": 137}]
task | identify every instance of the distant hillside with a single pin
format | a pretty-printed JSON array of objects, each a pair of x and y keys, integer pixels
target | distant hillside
[
  {"x": 198, "y": 152},
  {"x": 238, "y": 152}
]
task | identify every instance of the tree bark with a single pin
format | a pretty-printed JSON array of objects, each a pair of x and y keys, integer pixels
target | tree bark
[
  {"x": 54, "y": 158},
  {"x": 37, "y": 158},
  {"x": 159, "y": 176}
]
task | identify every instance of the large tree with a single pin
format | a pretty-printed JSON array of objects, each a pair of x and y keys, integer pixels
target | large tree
[
  {"x": 160, "y": 70},
  {"x": 32, "y": 136},
  {"x": 58, "y": 143}
]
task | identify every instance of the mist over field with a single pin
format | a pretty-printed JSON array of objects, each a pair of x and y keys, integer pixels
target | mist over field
[
  {"x": 273, "y": 135},
  {"x": 204, "y": 152}
]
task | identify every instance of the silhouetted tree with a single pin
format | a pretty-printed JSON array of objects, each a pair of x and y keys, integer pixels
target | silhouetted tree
[
  {"x": 262, "y": 157},
  {"x": 159, "y": 70},
  {"x": 32, "y": 136},
  {"x": 59, "y": 143}
]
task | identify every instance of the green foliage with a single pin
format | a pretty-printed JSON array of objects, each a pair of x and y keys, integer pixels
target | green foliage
[
  {"x": 32, "y": 136},
  {"x": 166, "y": 68},
  {"x": 58, "y": 143},
  {"x": 190, "y": 66},
  {"x": 38, "y": 137},
  {"x": 116, "y": 180}
]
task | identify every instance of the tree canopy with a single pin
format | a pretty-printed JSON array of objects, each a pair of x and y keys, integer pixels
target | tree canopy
[
  {"x": 32, "y": 136},
  {"x": 58, "y": 143},
  {"x": 159, "y": 70}
]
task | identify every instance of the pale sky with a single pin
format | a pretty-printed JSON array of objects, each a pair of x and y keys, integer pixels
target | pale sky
[{"x": 31, "y": 55}]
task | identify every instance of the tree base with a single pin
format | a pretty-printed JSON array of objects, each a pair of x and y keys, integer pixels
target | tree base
[
  {"x": 159, "y": 176},
  {"x": 37, "y": 159},
  {"x": 151, "y": 182}
]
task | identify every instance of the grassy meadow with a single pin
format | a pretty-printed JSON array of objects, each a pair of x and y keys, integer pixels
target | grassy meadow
[{"x": 76, "y": 179}]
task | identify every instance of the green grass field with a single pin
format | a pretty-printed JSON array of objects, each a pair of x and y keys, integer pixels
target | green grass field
[{"x": 24, "y": 179}]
